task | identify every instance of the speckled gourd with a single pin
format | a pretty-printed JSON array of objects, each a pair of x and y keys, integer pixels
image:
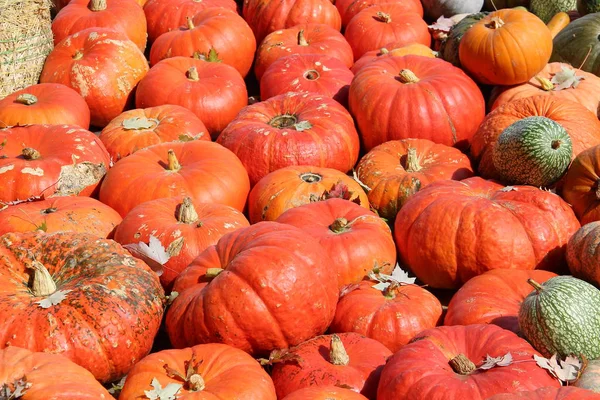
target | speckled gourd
[
  {"x": 449, "y": 48},
  {"x": 577, "y": 44},
  {"x": 545, "y": 9}
]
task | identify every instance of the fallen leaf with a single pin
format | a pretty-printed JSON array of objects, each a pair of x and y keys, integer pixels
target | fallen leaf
[
  {"x": 53, "y": 299},
  {"x": 302, "y": 126},
  {"x": 566, "y": 78},
  {"x": 491, "y": 362},
  {"x": 153, "y": 253},
  {"x": 398, "y": 276},
  {"x": 19, "y": 389},
  {"x": 564, "y": 370},
  {"x": 137, "y": 123},
  {"x": 160, "y": 393},
  {"x": 509, "y": 189},
  {"x": 442, "y": 24}
]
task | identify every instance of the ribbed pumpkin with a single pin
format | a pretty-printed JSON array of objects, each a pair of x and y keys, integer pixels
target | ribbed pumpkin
[
  {"x": 448, "y": 8},
  {"x": 549, "y": 393},
  {"x": 324, "y": 393},
  {"x": 258, "y": 302},
  {"x": 545, "y": 10},
  {"x": 35, "y": 372},
  {"x": 214, "y": 29},
  {"x": 577, "y": 44},
  {"x": 581, "y": 186},
  {"x": 391, "y": 50},
  {"x": 395, "y": 170},
  {"x": 80, "y": 296},
  {"x": 442, "y": 362},
  {"x": 493, "y": 297},
  {"x": 445, "y": 236},
  {"x": 292, "y": 129},
  {"x": 582, "y": 253},
  {"x": 44, "y": 103},
  {"x": 349, "y": 8},
  {"x": 294, "y": 186},
  {"x": 525, "y": 38},
  {"x": 446, "y": 106},
  {"x": 449, "y": 46}
]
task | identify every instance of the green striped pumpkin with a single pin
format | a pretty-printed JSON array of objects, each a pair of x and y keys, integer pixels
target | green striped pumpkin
[
  {"x": 546, "y": 9},
  {"x": 562, "y": 316},
  {"x": 533, "y": 151}
]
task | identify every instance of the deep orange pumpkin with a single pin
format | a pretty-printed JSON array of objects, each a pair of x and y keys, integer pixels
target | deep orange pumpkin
[
  {"x": 581, "y": 186},
  {"x": 349, "y": 8},
  {"x": 550, "y": 393},
  {"x": 390, "y": 50},
  {"x": 44, "y": 103},
  {"x": 582, "y": 253},
  {"x": 106, "y": 306},
  {"x": 324, "y": 393}
]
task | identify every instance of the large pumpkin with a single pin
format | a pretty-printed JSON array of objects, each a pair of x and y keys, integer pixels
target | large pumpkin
[
  {"x": 349, "y": 8},
  {"x": 582, "y": 126},
  {"x": 203, "y": 371},
  {"x": 582, "y": 251},
  {"x": 275, "y": 289},
  {"x": 550, "y": 393},
  {"x": 50, "y": 160},
  {"x": 446, "y": 105},
  {"x": 442, "y": 363},
  {"x": 581, "y": 186},
  {"x": 78, "y": 295},
  {"x": 577, "y": 44},
  {"x": 171, "y": 169},
  {"x": 452, "y": 231},
  {"x": 391, "y": 50},
  {"x": 292, "y": 129}
]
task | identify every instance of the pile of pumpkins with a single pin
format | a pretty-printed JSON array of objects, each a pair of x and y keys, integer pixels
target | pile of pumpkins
[{"x": 375, "y": 199}]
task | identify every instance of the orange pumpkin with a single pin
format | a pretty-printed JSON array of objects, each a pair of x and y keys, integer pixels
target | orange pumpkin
[
  {"x": 349, "y": 8},
  {"x": 581, "y": 186},
  {"x": 393, "y": 49},
  {"x": 324, "y": 393}
]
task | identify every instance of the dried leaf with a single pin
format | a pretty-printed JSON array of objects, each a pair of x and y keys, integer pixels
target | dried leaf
[
  {"x": 564, "y": 370},
  {"x": 171, "y": 297},
  {"x": 54, "y": 299},
  {"x": 491, "y": 362},
  {"x": 153, "y": 253},
  {"x": 508, "y": 189},
  {"x": 381, "y": 286},
  {"x": 399, "y": 277},
  {"x": 115, "y": 388},
  {"x": 19, "y": 389},
  {"x": 160, "y": 393},
  {"x": 355, "y": 176},
  {"x": 302, "y": 126},
  {"x": 339, "y": 191},
  {"x": 442, "y": 24},
  {"x": 277, "y": 356},
  {"x": 211, "y": 56},
  {"x": 42, "y": 227},
  {"x": 348, "y": 288},
  {"x": 137, "y": 123},
  {"x": 566, "y": 78}
]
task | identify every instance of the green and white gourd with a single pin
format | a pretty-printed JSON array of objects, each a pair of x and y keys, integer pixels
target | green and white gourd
[
  {"x": 533, "y": 151},
  {"x": 546, "y": 9},
  {"x": 579, "y": 44},
  {"x": 561, "y": 317}
]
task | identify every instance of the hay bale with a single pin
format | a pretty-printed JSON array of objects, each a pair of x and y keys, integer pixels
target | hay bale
[{"x": 25, "y": 42}]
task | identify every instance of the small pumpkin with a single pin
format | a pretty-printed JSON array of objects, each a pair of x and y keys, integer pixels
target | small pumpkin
[
  {"x": 349, "y": 8},
  {"x": 578, "y": 44},
  {"x": 581, "y": 186},
  {"x": 582, "y": 251},
  {"x": 447, "y": 8},
  {"x": 391, "y": 50},
  {"x": 324, "y": 393},
  {"x": 549, "y": 393}
]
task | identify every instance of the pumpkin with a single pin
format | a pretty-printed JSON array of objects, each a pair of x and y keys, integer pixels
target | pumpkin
[
  {"x": 556, "y": 25},
  {"x": 44, "y": 103},
  {"x": 102, "y": 65},
  {"x": 392, "y": 316},
  {"x": 50, "y": 160},
  {"x": 206, "y": 370},
  {"x": 65, "y": 213},
  {"x": 446, "y": 106},
  {"x": 493, "y": 5},
  {"x": 34, "y": 373},
  {"x": 307, "y": 73},
  {"x": 447, "y": 8},
  {"x": 442, "y": 362},
  {"x": 302, "y": 39},
  {"x": 258, "y": 300},
  {"x": 171, "y": 169},
  {"x": 265, "y": 17},
  {"x": 525, "y": 38},
  {"x": 184, "y": 230},
  {"x": 588, "y": 6},
  {"x": 144, "y": 127},
  {"x": 292, "y": 129},
  {"x": 560, "y": 317},
  {"x": 167, "y": 15},
  {"x": 324, "y": 393},
  {"x": 214, "y": 91},
  {"x": 549, "y": 393},
  {"x": 582, "y": 253},
  {"x": 347, "y": 359},
  {"x": 545, "y": 10},
  {"x": 577, "y": 44},
  {"x": 378, "y": 25},
  {"x": 213, "y": 30},
  {"x": 294, "y": 186},
  {"x": 349, "y": 8},
  {"x": 416, "y": 49},
  {"x": 393, "y": 171},
  {"x": 581, "y": 125},
  {"x": 589, "y": 377},
  {"x": 493, "y": 297},
  {"x": 581, "y": 185},
  {"x": 554, "y": 80},
  {"x": 80, "y": 296},
  {"x": 120, "y": 15},
  {"x": 340, "y": 226},
  {"x": 450, "y": 45},
  {"x": 449, "y": 223}
]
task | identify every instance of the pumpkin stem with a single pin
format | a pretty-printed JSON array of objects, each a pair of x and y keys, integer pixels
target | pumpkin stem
[
  {"x": 407, "y": 76},
  {"x": 49, "y": 210},
  {"x": 495, "y": 23},
  {"x": 190, "y": 23},
  {"x": 43, "y": 284},
  {"x": 412, "y": 161},
  {"x": 187, "y": 212},
  {"x": 339, "y": 225},
  {"x": 97, "y": 5},
  {"x": 392, "y": 290},
  {"x": 78, "y": 55},
  {"x": 30, "y": 154},
  {"x": 383, "y": 50},
  {"x": 27, "y": 99},
  {"x": 301, "y": 39},
  {"x": 192, "y": 74},
  {"x": 462, "y": 365},
  {"x": 172, "y": 162},
  {"x": 213, "y": 272},
  {"x": 555, "y": 144},
  {"x": 538, "y": 288},
  {"x": 196, "y": 383},
  {"x": 309, "y": 177},
  {"x": 312, "y": 75},
  {"x": 383, "y": 17},
  {"x": 545, "y": 83},
  {"x": 283, "y": 121},
  {"x": 338, "y": 354}
]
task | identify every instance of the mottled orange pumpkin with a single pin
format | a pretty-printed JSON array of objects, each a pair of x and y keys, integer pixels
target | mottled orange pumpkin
[
  {"x": 582, "y": 253},
  {"x": 581, "y": 188}
]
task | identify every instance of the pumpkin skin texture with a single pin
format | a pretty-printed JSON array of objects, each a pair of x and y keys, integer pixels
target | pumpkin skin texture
[
  {"x": 218, "y": 365},
  {"x": 436, "y": 8},
  {"x": 292, "y": 129},
  {"x": 294, "y": 186},
  {"x": 582, "y": 251},
  {"x": 395, "y": 170},
  {"x": 391, "y": 50},
  {"x": 375, "y": 314},
  {"x": 192, "y": 169},
  {"x": 525, "y": 37},
  {"x": 378, "y": 25},
  {"x": 144, "y": 127},
  {"x": 448, "y": 222},
  {"x": 215, "y": 92},
  {"x": 302, "y": 39},
  {"x": 348, "y": 359},
  {"x": 219, "y": 29},
  {"x": 44, "y": 103},
  {"x": 119, "y": 15},
  {"x": 307, "y": 73},
  {"x": 94, "y": 273},
  {"x": 582, "y": 126},
  {"x": 349, "y": 8},
  {"x": 493, "y": 297},
  {"x": 259, "y": 302},
  {"x": 445, "y": 105},
  {"x": 589, "y": 377},
  {"x": 102, "y": 65},
  {"x": 265, "y": 17},
  {"x": 169, "y": 220},
  {"x": 421, "y": 369},
  {"x": 65, "y": 213},
  {"x": 40, "y": 371},
  {"x": 572, "y": 45},
  {"x": 324, "y": 393},
  {"x": 340, "y": 226},
  {"x": 580, "y": 187},
  {"x": 550, "y": 393},
  {"x": 50, "y": 160}
]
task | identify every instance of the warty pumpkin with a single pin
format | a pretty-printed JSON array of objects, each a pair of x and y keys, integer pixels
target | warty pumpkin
[
  {"x": 581, "y": 186},
  {"x": 545, "y": 10}
]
